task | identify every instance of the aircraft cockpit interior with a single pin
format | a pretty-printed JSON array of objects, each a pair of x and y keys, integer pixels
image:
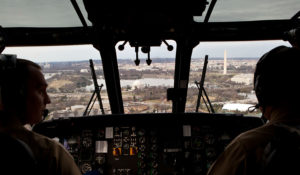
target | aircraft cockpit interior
[{"x": 126, "y": 109}]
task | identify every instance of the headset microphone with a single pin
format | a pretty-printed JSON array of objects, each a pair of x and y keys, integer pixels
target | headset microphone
[
  {"x": 293, "y": 36},
  {"x": 45, "y": 113}
]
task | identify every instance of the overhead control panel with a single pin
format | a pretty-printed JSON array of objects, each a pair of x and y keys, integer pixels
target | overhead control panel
[{"x": 147, "y": 144}]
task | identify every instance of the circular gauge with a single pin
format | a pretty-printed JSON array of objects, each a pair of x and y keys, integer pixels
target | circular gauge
[
  {"x": 210, "y": 153},
  {"x": 141, "y": 155},
  {"x": 142, "y": 164},
  {"x": 126, "y": 146},
  {"x": 126, "y": 132},
  {"x": 100, "y": 159},
  {"x": 154, "y": 164},
  {"x": 86, "y": 167},
  {"x": 153, "y": 139},
  {"x": 126, "y": 139},
  {"x": 133, "y": 129},
  {"x": 141, "y": 132},
  {"x": 198, "y": 157},
  {"x": 142, "y": 140},
  {"x": 100, "y": 133},
  {"x": 87, "y": 142},
  {"x": 154, "y": 172},
  {"x": 209, "y": 139},
  {"x": 197, "y": 143},
  {"x": 142, "y": 148},
  {"x": 117, "y": 130},
  {"x": 154, "y": 147},
  {"x": 153, "y": 155}
]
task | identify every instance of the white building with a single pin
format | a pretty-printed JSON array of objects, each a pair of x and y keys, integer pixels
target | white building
[
  {"x": 47, "y": 66},
  {"x": 246, "y": 79},
  {"x": 77, "y": 107},
  {"x": 84, "y": 70},
  {"x": 237, "y": 107}
]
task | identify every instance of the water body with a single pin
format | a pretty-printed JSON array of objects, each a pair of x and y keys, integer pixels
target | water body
[
  {"x": 140, "y": 83},
  {"x": 50, "y": 75}
]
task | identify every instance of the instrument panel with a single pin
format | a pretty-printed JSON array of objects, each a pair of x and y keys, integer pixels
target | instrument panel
[{"x": 147, "y": 144}]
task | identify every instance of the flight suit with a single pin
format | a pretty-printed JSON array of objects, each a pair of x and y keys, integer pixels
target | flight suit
[
  {"x": 51, "y": 156},
  {"x": 244, "y": 155}
]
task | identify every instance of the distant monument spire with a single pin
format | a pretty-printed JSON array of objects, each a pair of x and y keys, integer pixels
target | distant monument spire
[{"x": 225, "y": 62}]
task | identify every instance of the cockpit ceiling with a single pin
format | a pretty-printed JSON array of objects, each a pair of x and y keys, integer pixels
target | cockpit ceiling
[{"x": 57, "y": 13}]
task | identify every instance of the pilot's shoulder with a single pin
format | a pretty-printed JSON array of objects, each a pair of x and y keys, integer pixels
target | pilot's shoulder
[
  {"x": 49, "y": 143},
  {"x": 257, "y": 137},
  {"x": 39, "y": 143}
]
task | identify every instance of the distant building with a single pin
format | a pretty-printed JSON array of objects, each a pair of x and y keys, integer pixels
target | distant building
[
  {"x": 47, "y": 66},
  {"x": 137, "y": 84},
  {"x": 84, "y": 70},
  {"x": 77, "y": 107},
  {"x": 246, "y": 79},
  {"x": 236, "y": 107}
]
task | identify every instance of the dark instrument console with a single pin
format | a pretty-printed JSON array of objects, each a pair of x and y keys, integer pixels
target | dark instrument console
[{"x": 147, "y": 144}]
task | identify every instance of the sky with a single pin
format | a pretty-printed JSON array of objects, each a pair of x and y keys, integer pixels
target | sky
[{"x": 60, "y": 13}]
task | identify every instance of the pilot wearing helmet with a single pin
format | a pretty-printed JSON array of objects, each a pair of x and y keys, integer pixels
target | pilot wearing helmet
[{"x": 277, "y": 89}]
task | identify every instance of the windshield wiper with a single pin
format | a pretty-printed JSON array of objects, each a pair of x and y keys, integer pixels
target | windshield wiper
[
  {"x": 209, "y": 11},
  {"x": 77, "y": 9}
]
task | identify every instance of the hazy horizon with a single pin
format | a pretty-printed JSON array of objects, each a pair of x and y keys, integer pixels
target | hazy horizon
[
  {"x": 160, "y": 59},
  {"x": 249, "y": 49}
]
